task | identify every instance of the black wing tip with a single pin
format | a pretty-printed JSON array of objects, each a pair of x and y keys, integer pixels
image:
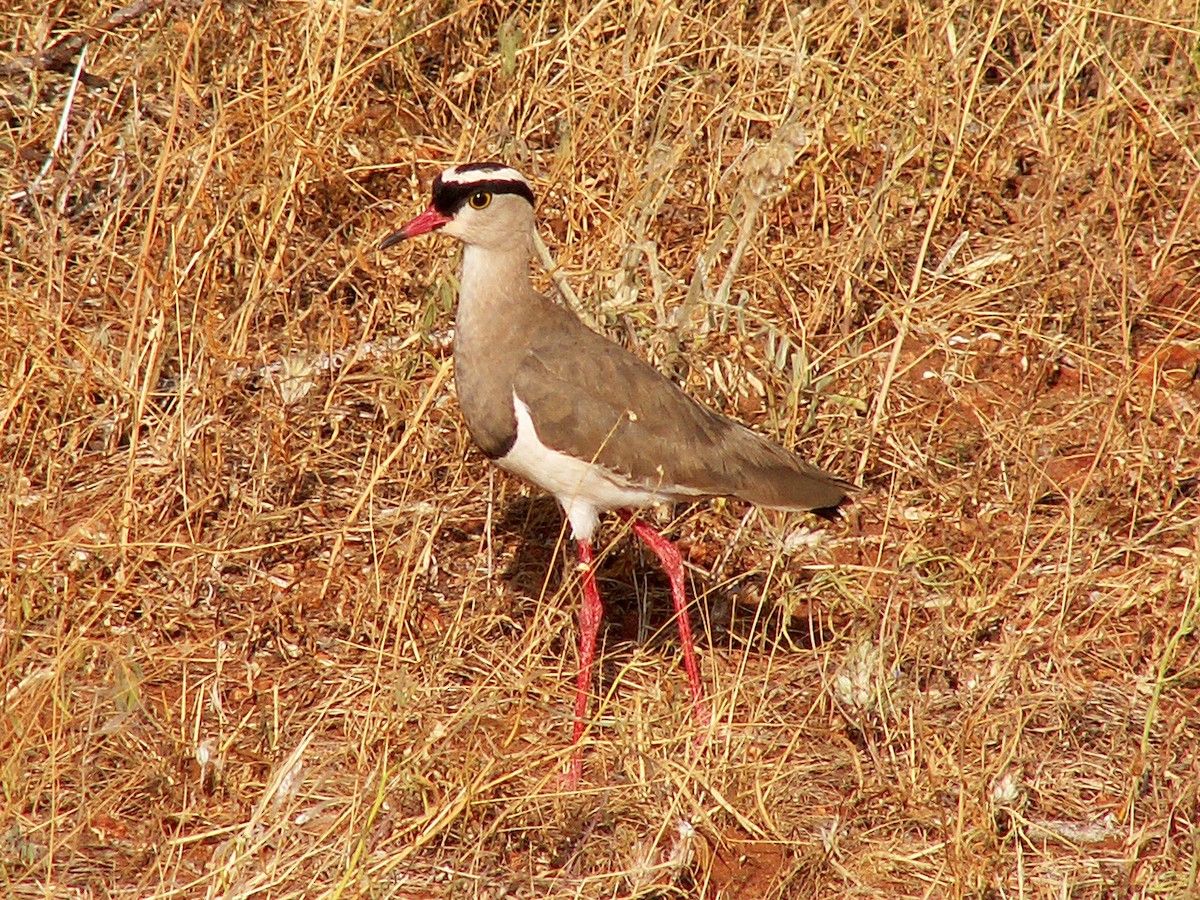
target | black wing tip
[
  {"x": 836, "y": 512},
  {"x": 831, "y": 513}
]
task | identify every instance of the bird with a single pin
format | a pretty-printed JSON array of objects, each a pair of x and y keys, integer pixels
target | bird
[{"x": 561, "y": 406}]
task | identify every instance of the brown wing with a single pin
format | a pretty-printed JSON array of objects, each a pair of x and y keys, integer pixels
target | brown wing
[{"x": 622, "y": 413}]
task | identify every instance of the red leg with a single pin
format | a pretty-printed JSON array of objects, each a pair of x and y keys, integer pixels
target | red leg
[
  {"x": 590, "y": 614},
  {"x": 672, "y": 563}
]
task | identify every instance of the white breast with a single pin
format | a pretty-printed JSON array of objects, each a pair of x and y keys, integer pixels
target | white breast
[{"x": 583, "y": 489}]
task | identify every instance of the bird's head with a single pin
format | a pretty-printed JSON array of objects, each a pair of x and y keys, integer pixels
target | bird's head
[{"x": 487, "y": 205}]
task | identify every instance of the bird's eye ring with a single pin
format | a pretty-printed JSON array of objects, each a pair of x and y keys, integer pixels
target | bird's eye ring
[{"x": 480, "y": 200}]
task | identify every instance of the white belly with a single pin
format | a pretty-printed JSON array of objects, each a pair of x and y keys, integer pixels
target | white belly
[{"x": 582, "y": 488}]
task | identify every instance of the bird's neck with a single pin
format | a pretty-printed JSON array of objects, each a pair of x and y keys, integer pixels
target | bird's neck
[{"x": 491, "y": 289}]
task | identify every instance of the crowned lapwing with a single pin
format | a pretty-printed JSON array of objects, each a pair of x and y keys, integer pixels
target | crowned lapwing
[{"x": 552, "y": 401}]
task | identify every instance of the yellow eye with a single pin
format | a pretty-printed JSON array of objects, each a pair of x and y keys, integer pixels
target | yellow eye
[{"x": 480, "y": 200}]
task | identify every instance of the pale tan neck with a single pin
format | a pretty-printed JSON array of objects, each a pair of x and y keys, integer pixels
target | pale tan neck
[
  {"x": 490, "y": 271},
  {"x": 498, "y": 314},
  {"x": 494, "y": 283}
]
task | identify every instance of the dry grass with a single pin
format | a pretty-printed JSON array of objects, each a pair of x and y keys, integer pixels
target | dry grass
[{"x": 272, "y": 629}]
